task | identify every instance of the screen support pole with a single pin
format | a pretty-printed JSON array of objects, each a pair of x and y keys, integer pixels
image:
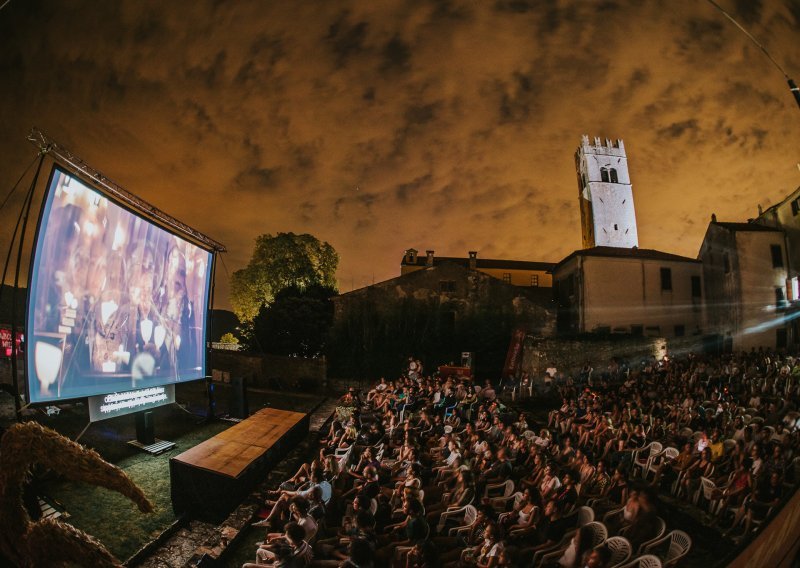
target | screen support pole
[
  {"x": 26, "y": 209},
  {"x": 212, "y": 404}
]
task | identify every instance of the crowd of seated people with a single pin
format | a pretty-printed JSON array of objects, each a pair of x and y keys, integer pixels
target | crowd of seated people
[{"x": 435, "y": 471}]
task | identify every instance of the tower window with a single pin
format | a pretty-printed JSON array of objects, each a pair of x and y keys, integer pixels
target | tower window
[
  {"x": 614, "y": 178},
  {"x": 604, "y": 174},
  {"x": 777, "y": 256},
  {"x": 726, "y": 262},
  {"x": 666, "y": 279},
  {"x": 615, "y": 227}
]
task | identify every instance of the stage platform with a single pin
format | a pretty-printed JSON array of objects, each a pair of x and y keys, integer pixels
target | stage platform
[{"x": 213, "y": 477}]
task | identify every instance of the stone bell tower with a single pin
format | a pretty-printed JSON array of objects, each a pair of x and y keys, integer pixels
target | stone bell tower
[{"x": 608, "y": 217}]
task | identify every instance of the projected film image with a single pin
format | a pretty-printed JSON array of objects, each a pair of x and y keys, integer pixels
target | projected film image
[{"x": 116, "y": 302}]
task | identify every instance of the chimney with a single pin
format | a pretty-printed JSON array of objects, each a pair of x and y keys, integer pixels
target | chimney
[
  {"x": 713, "y": 217},
  {"x": 411, "y": 256},
  {"x": 429, "y": 258},
  {"x": 473, "y": 259}
]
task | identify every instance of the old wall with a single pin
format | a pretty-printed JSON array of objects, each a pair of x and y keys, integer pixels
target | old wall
[
  {"x": 272, "y": 371},
  {"x": 570, "y": 355},
  {"x": 759, "y": 280}
]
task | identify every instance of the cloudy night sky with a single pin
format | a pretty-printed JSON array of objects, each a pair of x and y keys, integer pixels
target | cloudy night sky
[{"x": 382, "y": 125}]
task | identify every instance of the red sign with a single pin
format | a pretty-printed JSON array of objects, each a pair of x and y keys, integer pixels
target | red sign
[
  {"x": 514, "y": 357},
  {"x": 5, "y": 342}
]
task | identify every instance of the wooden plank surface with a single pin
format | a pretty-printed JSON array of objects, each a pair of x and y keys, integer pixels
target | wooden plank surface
[{"x": 231, "y": 451}]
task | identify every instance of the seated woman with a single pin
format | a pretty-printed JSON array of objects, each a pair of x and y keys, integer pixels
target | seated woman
[
  {"x": 487, "y": 554},
  {"x": 462, "y": 494},
  {"x": 521, "y": 519},
  {"x": 701, "y": 467},
  {"x": 598, "y": 485},
  {"x": 408, "y": 486},
  {"x": 576, "y": 554}
]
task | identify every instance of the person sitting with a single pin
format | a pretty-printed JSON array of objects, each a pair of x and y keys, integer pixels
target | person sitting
[
  {"x": 407, "y": 533},
  {"x": 294, "y": 536},
  {"x": 577, "y": 552}
]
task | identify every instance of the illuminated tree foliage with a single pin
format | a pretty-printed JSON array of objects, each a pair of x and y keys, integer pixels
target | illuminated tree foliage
[{"x": 280, "y": 262}]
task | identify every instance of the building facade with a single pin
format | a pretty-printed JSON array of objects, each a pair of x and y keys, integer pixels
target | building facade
[
  {"x": 629, "y": 291},
  {"x": 745, "y": 268},
  {"x": 786, "y": 217},
  {"x": 608, "y": 217},
  {"x": 523, "y": 273}
]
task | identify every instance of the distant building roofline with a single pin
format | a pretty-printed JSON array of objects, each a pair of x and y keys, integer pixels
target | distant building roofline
[
  {"x": 486, "y": 263},
  {"x": 635, "y": 252}
]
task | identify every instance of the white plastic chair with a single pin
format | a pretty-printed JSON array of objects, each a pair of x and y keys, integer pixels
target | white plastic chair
[
  {"x": 501, "y": 503},
  {"x": 464, "y": 516},
  {"x": 503, "y": 489},
  {"x": 660, "y": 530},
  {"x": 643, "y": 456},
  {"x": 679, "y": 545},
  {"x": 708, "y": 489},
  {"x": 644, "y": 561},
  {"x": 668, "y": 454},
  {"x": 620, "y": 548}
]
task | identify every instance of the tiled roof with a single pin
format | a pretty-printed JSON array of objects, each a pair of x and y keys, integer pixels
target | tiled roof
[
  {"x": 617, "y": 252},
  {"x": 745, "y": 227},
  {"x": 487, "y": 263}
]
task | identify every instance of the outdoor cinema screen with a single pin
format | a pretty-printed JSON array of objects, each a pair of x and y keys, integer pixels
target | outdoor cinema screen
[{"x": 115, "y": 301}]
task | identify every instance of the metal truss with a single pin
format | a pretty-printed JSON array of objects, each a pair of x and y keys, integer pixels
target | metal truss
[{"x": 48, "y": 146}]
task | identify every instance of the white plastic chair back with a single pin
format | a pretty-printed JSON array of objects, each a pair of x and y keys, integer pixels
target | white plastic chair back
[
  {"x": 470, "y": 514},
  {"x": 620, "y": 548},
  {"x": 597, "y": 532},
  {"x": 671, "y": 453},
  {"x": 679, "y": 546},
  {"x": 585, "y": 515}
]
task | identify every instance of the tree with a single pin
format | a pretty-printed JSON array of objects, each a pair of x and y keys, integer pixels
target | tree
[
  {"x": 279, "y": 262},
  {"x": 296, "y": 323},
  {"x": 229, "y": 338}
]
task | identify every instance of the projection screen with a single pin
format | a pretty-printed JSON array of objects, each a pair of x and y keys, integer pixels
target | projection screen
[{"x": 115, "y": 301}]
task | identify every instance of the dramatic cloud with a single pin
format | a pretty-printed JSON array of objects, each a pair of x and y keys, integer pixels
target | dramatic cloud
[{"x": 378, "y": 126}]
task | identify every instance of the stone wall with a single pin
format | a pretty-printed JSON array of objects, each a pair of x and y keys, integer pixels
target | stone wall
[
  {"x": 272, "y": 371},
  {"x": 569, "y": 355}
]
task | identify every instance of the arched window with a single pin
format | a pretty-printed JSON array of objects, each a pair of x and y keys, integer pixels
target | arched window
[
  {"x": 614, "y": 178},
  {"x": 604, "y": 174}
]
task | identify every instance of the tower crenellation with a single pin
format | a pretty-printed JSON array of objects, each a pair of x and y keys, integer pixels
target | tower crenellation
[{"x": 608, "y": 217}]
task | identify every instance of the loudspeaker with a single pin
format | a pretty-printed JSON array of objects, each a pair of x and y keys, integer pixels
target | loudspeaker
[
  {"x": 237, "y": 405},
  {"x": 145, "y": 427},
  {"x": 466, "y": 358}
]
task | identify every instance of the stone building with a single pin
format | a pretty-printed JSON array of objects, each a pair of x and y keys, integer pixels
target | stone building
[
  {"x": 517, "y": 272},
  {"x": 629, "y": 291},
  {"x": 458, "y": 290},
  {"x": 745, "y": 268},
  {"x": 786, "y": 217},
  {"x": 435, "y": 313}
]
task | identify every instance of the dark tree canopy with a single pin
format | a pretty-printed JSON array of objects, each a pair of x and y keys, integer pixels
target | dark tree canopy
[
  {"x": 283, "y": 261},
  {"x": 296, "y": 323}
]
